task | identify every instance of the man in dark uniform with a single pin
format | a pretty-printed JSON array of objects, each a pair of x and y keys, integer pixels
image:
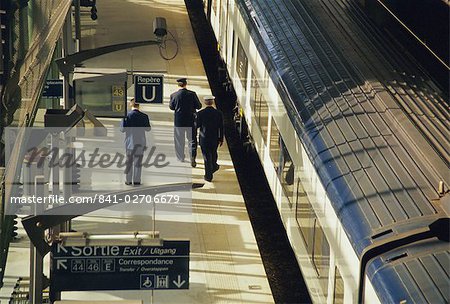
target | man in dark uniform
[
  {"x": 134, "y": 125},
  {"x": 185, "y": 103},
  {"x": 210, "y": 124}
]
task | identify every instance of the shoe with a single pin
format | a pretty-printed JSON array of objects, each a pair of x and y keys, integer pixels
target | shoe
[
  {"x": 181, "y": 160},
  {"x": 137, "y": 184},
  {"x": 193, "y": 163},
  {"x": 208, "y": 179},
  {"x": 127, "y": 183},
  {"x": 217, "y": 167}
]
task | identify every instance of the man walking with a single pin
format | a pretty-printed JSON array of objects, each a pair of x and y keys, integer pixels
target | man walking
[
  {"x": 134, "y": 125},
  {"x": 185, "y": 103},
  {"x": 210, "y": 124}
]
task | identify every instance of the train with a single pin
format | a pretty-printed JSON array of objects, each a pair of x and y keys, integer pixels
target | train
[{"x": 353, "y": 136}]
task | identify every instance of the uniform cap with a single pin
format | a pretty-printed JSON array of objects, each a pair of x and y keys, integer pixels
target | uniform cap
[
  {"x": 209, "y": 97},
  {"x": 182, "y": 80}
]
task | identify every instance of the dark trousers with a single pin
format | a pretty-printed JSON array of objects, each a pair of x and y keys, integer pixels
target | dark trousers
[
  {"x": 210, "y": 156},
  {"x": 180, "y": 136},
  {"x": 133, "y": 167}
]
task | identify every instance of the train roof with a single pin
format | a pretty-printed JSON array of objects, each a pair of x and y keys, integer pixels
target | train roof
[{"x": 373, "y": 123}]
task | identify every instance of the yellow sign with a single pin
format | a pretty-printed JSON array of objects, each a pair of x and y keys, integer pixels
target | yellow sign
[
  {"x": 118, "y": 91},
  {"x": 118, "y": 106}
]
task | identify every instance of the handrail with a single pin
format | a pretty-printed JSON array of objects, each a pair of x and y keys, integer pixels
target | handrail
[{"x": 35, "y": 225}]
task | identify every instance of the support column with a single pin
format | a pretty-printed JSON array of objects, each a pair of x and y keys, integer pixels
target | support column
[
  {"x": 68, "y": 48},
  {"x": 55, "y": 163},
  {"x": 76, "y": 3},
  {"x": 36, "y": 259}
]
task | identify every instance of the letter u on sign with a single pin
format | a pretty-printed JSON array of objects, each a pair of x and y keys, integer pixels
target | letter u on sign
[{"x": 144, "y": 94}]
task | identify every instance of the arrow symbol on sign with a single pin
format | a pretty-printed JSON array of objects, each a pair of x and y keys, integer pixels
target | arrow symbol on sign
[
  {"x": 60, "y": 264},
  {"x": 179, "y": 283},
  {"x": 60, "y": 248}
]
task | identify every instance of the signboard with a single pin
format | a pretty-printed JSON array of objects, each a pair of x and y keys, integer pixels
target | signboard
[
  {"x": 101, "y": 91},
  {"x": 79, "y": 268},
  {"x": 53, "y": 88},
  {"x": 148, "y": 88},
  {"x": 118, "y": 94}
]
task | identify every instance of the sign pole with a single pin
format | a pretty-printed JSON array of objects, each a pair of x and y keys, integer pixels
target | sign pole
[
  {"x": 36, "y": 259},
  {"x": 132, "y": 68},
  {"x": 67, "y": 176},
  {"x": 67, "y": 49},
  {"x": 67, "y": 170},
  {"x": 154, "y": 220},
  {"x": 55, "y": 168},
  {"x": 154, "y": 236}
]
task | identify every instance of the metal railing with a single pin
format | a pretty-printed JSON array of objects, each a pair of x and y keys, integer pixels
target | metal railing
[
  {"x": 20, "y": 294},
  {"x": 20, "y": 96}
]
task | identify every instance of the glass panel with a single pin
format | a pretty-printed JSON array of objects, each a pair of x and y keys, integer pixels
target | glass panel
[
  {"x": 254, "y": 100},
  {"x": 232, "y": 45},
  {"x": 214, "y": 6},
  {"x": 224, "y": 29},
  {"x": 275, "y": 145},
  {"x": 287, "y": 171},
  {"x": 321, "y": 257},
  {"x": 338, "y": 288},
  {"x": 263, "y": 116},
  {"x": 102, "y": 98},
  {"x": 304, "y": 216},
  {"x": 259, "y": 106},
  {"x": 242, "y": 65}
]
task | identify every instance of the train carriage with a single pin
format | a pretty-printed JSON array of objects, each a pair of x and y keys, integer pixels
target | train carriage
[{"x": 353, "y": 136}]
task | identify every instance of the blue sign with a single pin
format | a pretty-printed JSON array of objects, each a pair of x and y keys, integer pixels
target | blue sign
[
  {"x": 53, "y": 88},
  {"x": 148, "y": 88},
  {"x": 80, "y": 268}
]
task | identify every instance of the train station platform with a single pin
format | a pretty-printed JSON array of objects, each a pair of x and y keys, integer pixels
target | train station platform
[{"x": 225, "y": 264}]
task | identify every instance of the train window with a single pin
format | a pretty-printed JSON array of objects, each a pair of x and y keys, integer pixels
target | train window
[
  {"x": 263, "y": 117},
  {"x": 242, "y": 64},
  {"x": 287, "y": 171},
  {"x": 254, "y": 97},
  {"x": 305, "y": 216},
  {"x": 232, "y": 45},
  {"x": 214, "y": 6},
  {"x": 266, "y": 78},
  {"x": 321, "y": 256},
  {"x": 259, "y": 107},
  {"x": 275, "y": 146},
  {"x": 223, "y": 29},
  {"x": 282, "y": 162},
  {"x": 205, "y": 7},
  {"x": 338, "y": 297}
]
